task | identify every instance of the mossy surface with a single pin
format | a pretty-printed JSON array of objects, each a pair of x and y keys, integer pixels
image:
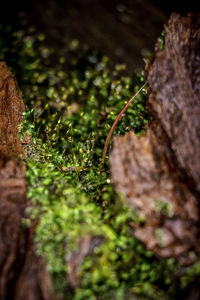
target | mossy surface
[{"x": 71, "y": 103}]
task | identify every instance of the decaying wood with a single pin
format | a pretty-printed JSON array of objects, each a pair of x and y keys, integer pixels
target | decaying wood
[
  {"x": 22, "y": 274},
  {"x": 159, "y": 172},
  {"x": 11, "y": 110}
]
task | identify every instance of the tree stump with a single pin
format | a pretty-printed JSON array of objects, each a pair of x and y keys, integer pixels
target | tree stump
[{"x": 159, "y": 171}]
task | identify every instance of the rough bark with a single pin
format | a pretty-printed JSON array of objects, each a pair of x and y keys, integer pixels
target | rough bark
[
  {"x": 22, "y": 274},
  {"x": 159, "y": 171}
]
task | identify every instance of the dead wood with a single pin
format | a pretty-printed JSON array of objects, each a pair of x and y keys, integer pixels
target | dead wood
[
  {"x": 23, "y": 275},
  {"x": 159, "y": 171}
]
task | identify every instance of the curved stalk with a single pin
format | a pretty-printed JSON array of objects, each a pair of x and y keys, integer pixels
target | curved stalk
[{"x": 117, "y": 120}]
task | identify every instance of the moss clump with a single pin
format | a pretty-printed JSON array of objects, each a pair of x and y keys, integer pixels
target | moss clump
[
  {"x": 161, "y": 41},
  {"x": 72, "y": 101}
]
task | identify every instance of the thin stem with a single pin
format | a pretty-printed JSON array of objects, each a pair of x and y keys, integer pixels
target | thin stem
[{"x": 117, "y": 120}]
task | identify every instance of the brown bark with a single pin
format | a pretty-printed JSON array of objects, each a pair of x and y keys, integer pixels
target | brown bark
[
  {"x": 159, "y": 171},
  {"x": 22, "y": 274}
]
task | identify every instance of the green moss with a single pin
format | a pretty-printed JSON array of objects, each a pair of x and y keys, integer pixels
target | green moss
[
  {"x": 161, "y": 40},
  {"x": 71, "y": 103},
  {"x": 163, "y": 207}
]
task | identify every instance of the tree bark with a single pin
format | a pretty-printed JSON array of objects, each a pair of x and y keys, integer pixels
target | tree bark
[
  {"x": 23, "y": 275},
  {"x": 159, "y": 171}
]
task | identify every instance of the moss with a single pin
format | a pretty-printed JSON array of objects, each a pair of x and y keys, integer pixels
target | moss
[
  {"x": 161, "y": 40},
  {"x": 71, "y": 102},
  {"x": 163, "y": 207}
]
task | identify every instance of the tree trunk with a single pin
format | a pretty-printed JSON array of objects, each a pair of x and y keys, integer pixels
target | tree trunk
[
  {"x": 22, "y": 274},
  {"x": 159, "y": 171}
]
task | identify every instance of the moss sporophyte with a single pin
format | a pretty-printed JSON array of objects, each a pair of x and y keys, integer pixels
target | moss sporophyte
[
  {"x": 116, "y": 121},
  {"x": 71, "y": 107}
]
